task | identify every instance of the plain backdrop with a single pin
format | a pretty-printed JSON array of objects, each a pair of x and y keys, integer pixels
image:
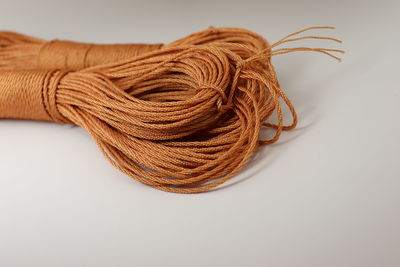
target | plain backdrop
[{"x": 327, "y": 194}]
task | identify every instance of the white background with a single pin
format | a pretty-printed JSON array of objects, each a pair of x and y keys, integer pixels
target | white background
[{"x": 327, "y": 194}]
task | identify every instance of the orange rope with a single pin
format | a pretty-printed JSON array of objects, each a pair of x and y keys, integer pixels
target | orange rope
[{"x": 184, "y": 118}]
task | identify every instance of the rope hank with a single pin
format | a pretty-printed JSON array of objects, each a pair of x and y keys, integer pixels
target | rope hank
[{"x": 183, "y": 117}]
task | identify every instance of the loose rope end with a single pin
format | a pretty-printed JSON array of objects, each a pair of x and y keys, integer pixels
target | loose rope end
[{"x": 326, "y": 51}]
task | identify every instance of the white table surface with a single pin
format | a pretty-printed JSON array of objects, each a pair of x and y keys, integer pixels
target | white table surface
[{"x": 327, "y": 194}]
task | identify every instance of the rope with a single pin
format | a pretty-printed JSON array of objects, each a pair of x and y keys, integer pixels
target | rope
[{"x": 183, "y": 118}]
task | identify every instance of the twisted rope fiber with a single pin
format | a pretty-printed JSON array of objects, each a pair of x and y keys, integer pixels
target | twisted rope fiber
[{"x": 184, "y": 118}]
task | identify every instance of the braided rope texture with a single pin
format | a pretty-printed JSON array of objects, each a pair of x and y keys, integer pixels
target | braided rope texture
[{"x": 182, "y": 117}]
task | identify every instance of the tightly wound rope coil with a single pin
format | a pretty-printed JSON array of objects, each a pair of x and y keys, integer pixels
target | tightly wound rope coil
[{"x": 182, "y": 117}]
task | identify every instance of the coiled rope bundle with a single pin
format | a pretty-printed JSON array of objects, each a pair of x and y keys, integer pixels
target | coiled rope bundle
[{"x": 183, "y": 117}]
